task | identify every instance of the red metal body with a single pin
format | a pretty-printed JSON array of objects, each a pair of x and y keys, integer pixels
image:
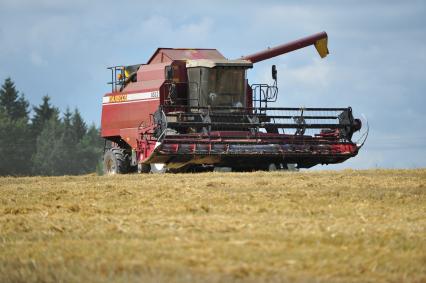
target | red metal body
[
  {"x": 131, "y": 108},
  {"x": 129, "y": 118}
]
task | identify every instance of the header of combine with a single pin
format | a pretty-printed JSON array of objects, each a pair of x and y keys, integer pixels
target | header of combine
[{"x": 193, "y": 109}]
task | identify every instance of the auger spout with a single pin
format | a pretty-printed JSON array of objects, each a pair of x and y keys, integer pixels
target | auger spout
[{"x": 319, "y": 40}]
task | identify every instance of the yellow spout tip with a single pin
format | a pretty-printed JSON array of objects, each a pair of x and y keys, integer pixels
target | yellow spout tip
[{"x": 321, "y": 47}]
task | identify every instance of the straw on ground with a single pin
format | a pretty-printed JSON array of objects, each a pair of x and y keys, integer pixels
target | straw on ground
[{"x": 347, "y": 226}]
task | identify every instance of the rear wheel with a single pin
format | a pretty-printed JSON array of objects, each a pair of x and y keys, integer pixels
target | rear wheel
[{"x": 116, "y": 161}]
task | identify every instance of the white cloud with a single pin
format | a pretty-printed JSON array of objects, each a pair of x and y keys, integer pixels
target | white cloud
[
  {"x": 319, "y": 74},
  {"x": 37, "y": 60},
  {"x": 161, "y": 29}
]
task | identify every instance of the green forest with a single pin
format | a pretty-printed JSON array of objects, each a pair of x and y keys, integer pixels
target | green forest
[{"x": 40, "y": 140}]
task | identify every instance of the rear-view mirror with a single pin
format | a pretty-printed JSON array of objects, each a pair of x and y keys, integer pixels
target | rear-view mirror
[
  {"x": 169, "y": 73},
  {"x": 274, "y": 72}
]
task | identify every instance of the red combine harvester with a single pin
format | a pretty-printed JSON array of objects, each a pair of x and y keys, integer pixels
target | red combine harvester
[{"x": 193, "y": 109}]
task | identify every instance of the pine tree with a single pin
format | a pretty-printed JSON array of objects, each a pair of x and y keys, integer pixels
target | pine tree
[
  {"x": 15, "y": 105},
  {"x": 15, "y": 146},
  {"x": 43, "y": 113},
  {"x": 91, "y": 148},
  {"x": 49, "y": 154},
  {"x": 78, "y": 125},
  {"x": 61, "y": 152},
  {"x": 15, "y": 142},
  {"x": 68, "y": 147},
  {"x": 94, "y": 139},
  {"x": 47, "y": 146}
]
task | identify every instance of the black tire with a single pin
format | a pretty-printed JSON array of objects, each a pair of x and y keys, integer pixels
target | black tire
[
  {"x": 116, "y": 161},
  {"x": 143, "y": 168}
]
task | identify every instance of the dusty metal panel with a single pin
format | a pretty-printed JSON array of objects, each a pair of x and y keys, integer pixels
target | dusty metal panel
[
  {"x": 211, "y": 63},
  {"x": 163, "y": 55}
]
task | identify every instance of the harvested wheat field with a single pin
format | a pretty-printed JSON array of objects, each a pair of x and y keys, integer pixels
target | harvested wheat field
[{"x": 342, "y": 226}]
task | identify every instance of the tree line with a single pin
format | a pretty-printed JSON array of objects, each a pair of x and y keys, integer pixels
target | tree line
[{"x": 45, "y": 143}]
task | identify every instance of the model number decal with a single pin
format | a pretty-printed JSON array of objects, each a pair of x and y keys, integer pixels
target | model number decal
[
  {"x": 118, "y": 98},
  {"x": 130, "y": 97},
  {"x": 155, "y": 94}
]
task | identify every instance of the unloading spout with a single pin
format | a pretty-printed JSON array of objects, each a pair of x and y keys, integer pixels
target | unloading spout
[{"x": 319, "y": 40}]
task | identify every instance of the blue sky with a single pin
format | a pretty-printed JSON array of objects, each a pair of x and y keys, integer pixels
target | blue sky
[{"x": 377, "y": 61}]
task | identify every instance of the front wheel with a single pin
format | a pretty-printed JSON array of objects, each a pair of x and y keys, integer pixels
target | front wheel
[
  {"x": 144, "y": 168},
  {"x": 116, "y": 161}
]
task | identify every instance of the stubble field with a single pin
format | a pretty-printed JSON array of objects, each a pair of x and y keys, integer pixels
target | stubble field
[{"x": 334, "y": 226}]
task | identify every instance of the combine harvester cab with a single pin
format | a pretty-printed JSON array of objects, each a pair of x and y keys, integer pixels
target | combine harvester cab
[{"x": 193, "y": 109}]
